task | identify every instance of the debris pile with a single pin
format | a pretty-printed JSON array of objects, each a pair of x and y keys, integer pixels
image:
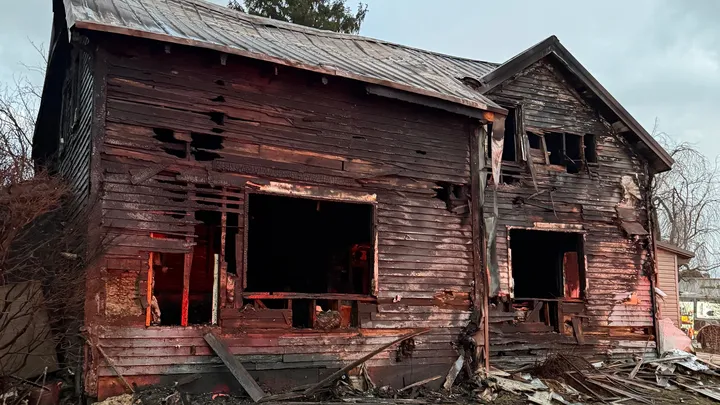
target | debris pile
[
  {"x": 675, "y": 377},
  {"x": 572, "y": 380}
]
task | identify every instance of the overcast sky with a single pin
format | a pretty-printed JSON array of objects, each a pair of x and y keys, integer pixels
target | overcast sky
[{"x": 659, "y": 58}]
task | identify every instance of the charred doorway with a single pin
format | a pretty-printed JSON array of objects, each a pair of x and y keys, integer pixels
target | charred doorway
[
  {"x": 546, "y": 264},
  {"x": 315, "y": 251}
]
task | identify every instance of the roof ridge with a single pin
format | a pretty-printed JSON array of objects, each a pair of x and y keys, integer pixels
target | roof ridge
[{"x": 255, "y": 19}]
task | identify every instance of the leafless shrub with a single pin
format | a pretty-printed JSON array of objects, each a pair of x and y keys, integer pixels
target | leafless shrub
[
  {"x": 687, "y": 202},
  {"x": 43, "y": 247}
]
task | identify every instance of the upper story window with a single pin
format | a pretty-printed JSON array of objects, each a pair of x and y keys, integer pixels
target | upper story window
[{"x": 571, "y": 151}]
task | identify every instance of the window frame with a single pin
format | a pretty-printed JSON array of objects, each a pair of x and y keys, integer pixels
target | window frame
[
  {"x": 316, "y": 193},
  {"x": 552, "y": 227}
]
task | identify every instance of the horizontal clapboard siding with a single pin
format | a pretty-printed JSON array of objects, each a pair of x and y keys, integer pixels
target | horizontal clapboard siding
[
  {"x": 288, "y": 128},
  {"x": 668, "y": 283},
  {"x": 615, "y": 264}
]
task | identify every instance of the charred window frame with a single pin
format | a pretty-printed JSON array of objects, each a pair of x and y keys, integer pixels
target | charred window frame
[
  {"x": 573, "y": 285},
  {"x": 306, "y": 308},
  {"x": 547, "y": 266},
  {"x": 571, "y": 151}
]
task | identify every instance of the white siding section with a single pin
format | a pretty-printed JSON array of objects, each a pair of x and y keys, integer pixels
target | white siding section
[{"x": 668, "y": 283}]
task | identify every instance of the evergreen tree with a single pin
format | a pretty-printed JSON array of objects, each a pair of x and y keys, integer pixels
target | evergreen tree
[{"x": 332, "y": 15}]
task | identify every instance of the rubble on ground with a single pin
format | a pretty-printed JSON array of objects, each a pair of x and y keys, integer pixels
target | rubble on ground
[{"x": 676, "y": 377}]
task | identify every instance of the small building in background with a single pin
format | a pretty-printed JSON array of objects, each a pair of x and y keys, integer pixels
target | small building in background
[{"x": 670, "y": 258}]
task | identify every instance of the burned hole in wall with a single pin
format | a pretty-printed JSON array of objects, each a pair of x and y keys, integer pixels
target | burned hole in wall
[
  {"x": 168, "y": 285},
  {"x": 203, "y": 145},
  {"x": 205, "y": 267},
  {"x": 455, "y": 196},
  {"x": 169, "y": 274},
  {"x": 547, "y": 264},
  {"x": 171, "y": 145},
  {"x": 301, "y": 245},
  {"x": 217, "y": 117}
]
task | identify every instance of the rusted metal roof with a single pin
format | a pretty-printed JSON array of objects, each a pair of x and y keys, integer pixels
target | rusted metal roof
[{"x": 202, "y": 24}]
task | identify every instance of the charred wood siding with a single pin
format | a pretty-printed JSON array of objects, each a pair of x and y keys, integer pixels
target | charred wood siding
[
  {"x": 618, "y": 302},
  {"x": 77, "y": 110},
  {"x": 282, "y": 125}
]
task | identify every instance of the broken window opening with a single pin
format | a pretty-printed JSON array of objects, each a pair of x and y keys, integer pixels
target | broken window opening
[
  {"x": 547, "y": 264},
  {"x": 510, "y": 137},
  {"x": 556, "y": 148},
  {"x": 590, "y": 143},
  {"x": 573, "y": 153},
  {"x": 565, "y": 150},
  {"x": 306, "y": 246},
  {"x": 534, "y": 140}
]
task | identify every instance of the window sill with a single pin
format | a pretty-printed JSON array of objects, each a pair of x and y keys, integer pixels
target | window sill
[{"x": 293, "y": 295}]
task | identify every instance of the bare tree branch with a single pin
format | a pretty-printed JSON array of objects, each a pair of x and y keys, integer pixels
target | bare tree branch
[{"x": 687, "y": 203}]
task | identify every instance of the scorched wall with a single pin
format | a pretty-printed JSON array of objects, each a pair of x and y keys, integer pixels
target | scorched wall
[
  {"x": 284, "y": 130},
  {"x": 615, "y": 313}
]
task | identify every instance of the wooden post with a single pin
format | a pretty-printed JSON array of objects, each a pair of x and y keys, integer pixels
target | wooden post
[
  {"x": 216, "y": 289},
  {"x": 187, "y": 267},
  {"x": 148, "y": 310}
]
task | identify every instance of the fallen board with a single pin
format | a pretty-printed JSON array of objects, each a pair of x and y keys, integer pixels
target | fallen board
[
  {"x": 237, "y": 369},
  {"x": 334, "y": 376}
]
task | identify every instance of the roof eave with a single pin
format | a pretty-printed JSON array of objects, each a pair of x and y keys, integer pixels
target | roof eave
[{"x": 685, "y": 254}]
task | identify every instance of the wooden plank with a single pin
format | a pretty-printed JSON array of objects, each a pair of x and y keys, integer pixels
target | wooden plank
[
  {"x": 334, "y": 376},
  {"x": 235, "y": 367},
  {"x": 577, "y": 328},
  {"x": 187, "y": 267}
]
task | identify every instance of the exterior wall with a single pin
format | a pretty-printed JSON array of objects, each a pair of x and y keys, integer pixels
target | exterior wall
[
  {"x": 667, "y": 281},
  {"x": 616, "y": 315},
  {"x": 282, "y": 129},
  {"x": 75, "y": 128}
]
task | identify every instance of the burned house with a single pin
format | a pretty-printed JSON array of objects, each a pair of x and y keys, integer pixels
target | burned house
[{"x": 310, "y": 196}]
